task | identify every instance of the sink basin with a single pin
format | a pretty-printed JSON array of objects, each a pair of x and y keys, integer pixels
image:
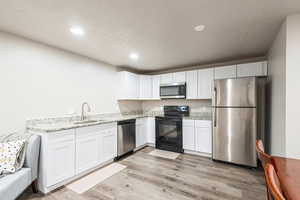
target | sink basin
[{"x": 87, "y": 121}]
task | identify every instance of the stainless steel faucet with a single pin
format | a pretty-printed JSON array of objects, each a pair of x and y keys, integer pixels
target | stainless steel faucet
[{"x": 83, "y": 117}]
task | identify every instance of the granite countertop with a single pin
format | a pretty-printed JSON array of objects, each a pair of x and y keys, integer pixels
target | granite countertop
[{"x": 65, "y": 123}]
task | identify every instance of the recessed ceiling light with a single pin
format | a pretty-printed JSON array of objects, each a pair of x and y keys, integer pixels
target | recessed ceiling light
[
  {"x": 199, "y": 28},
  {"x": 134, "y": 56},
  {"x": 77, "y": 30}
]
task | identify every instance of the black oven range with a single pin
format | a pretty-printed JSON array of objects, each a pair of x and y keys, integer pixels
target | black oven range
[{"x": 169, "y": 128}]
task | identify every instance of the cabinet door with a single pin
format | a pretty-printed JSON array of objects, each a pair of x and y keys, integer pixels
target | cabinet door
[
  {"x": 203, "y": 136},
  {"x": 205, "y": 83},
  {"x": 166, "y": 78},
  {"x": 134, "y": 86},
  {"x": 141, "y": 132},
  {"x": 188, "y": 132},
  {"x": 145, "y": 87},
  {"x": 178, "y": 77},
  {"x": 155, "y": 87},
  {"x": 108, "y": 141},
  {"x": 87, "y": 151},
  {"x": 144, "y": 132},
  {"x": 138, "y": 135},
  {"x": 192, "y": 84},
  {"x": 151, "y": 130},
  {"x": 128, "y": 85},
  {"x": 61, "y": 161},
  {"x": 252, "y": 69},
  {"x": 123, "y": 89},
  {"x": 225, "y": 72}
]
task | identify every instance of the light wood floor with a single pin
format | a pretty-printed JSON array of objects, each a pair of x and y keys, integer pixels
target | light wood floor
[{"x": 186, "y": 178}]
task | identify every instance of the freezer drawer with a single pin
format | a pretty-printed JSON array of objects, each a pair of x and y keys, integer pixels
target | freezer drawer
[
  {"x": 240, "y": 92},
  {"x": 234, "y": 135}
]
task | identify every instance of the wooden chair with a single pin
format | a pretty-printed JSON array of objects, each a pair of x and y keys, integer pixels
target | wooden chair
[
  {"x": 273, "y": 182},
  {"x": 264, "y": 159}
]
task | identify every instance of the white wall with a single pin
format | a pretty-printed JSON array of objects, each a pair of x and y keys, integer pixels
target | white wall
[
  {"x": 41, "y": 81},
  {"x": 284, "y": 70},
  {"x": 276, "y": 72},
  {"x": 293, "y": 87}
]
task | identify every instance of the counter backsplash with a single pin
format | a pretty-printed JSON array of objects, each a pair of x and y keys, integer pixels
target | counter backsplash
[{"x": 196, "y": 106}]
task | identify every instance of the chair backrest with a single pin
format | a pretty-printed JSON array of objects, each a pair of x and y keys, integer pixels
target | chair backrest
[
  {"x": 273, "y": 182},
  {"x": 263, "y": 157}
]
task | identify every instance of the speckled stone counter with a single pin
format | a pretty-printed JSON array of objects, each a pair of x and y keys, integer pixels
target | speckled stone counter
[{"x": 64, "y": 123}]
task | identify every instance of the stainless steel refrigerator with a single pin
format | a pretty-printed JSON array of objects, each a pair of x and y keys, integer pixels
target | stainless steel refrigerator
[{"x": 238, "y": 119}]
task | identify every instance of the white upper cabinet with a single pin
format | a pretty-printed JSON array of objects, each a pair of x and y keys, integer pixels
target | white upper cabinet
[
  {"x": 166, "y": 78},
  {"x": 155, "y": 87},
  {"x": 252, "y": 69},
  {"x": 199, "y": 83},
  {"x": 128, "y": 85},
  {"x": 225, "y": 72},
  {"x": 145, "y": 87},
  {"x": 178, "y": 77},
  {"x": 191, "y": 84},
  {"x": 205, "y": 82}
]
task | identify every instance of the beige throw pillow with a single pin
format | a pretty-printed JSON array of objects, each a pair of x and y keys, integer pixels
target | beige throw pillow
[{"x": 9, "y": 154}]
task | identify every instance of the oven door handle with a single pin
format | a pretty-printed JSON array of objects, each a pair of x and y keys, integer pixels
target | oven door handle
[{"x": 169, "y": 119}]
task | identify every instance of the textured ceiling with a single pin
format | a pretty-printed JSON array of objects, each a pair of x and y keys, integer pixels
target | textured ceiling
[{"x": 161, "y": 31}]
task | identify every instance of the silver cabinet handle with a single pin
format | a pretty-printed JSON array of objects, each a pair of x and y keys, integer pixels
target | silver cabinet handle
[{"x": 215, "y": 108}]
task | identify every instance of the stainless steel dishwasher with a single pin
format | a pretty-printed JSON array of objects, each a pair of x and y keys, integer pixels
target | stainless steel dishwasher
[{"x": 126, "y": 136}]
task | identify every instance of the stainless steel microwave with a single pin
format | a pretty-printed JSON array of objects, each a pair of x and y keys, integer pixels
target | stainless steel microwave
[{"x": 173, "y": 91}]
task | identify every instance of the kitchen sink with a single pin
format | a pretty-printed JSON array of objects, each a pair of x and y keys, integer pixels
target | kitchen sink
[{"x": 87, "y": 121}]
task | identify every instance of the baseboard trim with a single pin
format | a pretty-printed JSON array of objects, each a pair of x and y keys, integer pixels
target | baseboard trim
[{"x": 208, "y": 155}]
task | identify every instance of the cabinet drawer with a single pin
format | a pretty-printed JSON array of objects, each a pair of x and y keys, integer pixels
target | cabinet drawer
[
  {"x": 140, "y": 121},
  {"x": 61, "y": 136},
  {"x": 188, "y": 122},
  {"x": 203, "y": 123},
  {"x": 93, "y": 129}
]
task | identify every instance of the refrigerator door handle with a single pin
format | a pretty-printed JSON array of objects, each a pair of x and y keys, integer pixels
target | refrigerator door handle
[{"x": 215, "y": 108}]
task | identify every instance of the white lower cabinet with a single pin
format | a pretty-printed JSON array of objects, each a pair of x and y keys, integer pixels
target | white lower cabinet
[
  {"x": 145, "y": 131},
  {"x": 141, "y": 132},
  {"x": 68, "y": 154},
  {"x": 188, "y": 129},
  {"x": 197, "y": 136},
  {"x": 87, "y": 151},
  {"x": 203, "y": 136},
  {"x": 151, "y": 130},
  {"x": 108, "y": 144},
  {"x": 203, "y": 139},
  {"x": 60, "y": 158}
]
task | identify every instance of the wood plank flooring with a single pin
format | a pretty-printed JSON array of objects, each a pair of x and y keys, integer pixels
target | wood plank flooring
[{"x": 185, "y": 178}]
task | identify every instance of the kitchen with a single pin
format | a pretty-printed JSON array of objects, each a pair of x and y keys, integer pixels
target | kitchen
[
  {"x": 68, "y": 141},
  {"x": 139, "y": 117}
]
